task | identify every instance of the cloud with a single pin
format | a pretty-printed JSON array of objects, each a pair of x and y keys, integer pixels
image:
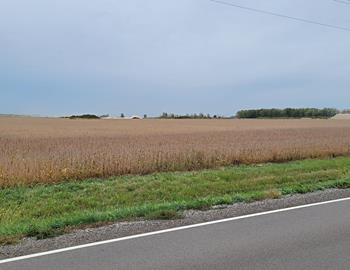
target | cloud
[{"x": 181, "y": 55}]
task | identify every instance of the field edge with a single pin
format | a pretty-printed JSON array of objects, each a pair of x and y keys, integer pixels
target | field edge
[{"x": 249, "y": 183}]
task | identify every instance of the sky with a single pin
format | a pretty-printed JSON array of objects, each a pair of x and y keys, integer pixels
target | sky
[{"x": 62, "y": 57}]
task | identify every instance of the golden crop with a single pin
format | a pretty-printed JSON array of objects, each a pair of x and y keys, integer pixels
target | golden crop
[{"x": 44, "y": 150}]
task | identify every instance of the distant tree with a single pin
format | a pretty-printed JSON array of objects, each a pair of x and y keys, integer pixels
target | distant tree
[
  {"x": 165, "y": 115},
  {"x": 288, "y": 113},
  {"x": 84, "y": 116}
]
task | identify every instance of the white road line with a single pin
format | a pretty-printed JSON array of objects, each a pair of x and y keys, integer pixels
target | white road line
[{"x": 168, "y": 230}]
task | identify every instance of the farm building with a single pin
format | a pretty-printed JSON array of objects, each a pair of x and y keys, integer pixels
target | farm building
[
  {"x": 342, "y": 116},
  {"x": 135, "y": 117}
]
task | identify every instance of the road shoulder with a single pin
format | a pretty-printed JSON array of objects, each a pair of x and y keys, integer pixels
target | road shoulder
[{"x": 122, "y": 229}]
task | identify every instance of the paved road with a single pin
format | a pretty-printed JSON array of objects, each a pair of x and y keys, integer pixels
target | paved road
[{"x": 310, "y": 238}]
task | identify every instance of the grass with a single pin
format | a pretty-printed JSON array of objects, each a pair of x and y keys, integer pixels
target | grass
[{"x": 48, "y": 210}]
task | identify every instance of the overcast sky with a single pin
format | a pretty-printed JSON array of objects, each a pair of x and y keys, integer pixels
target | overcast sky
[{"x": 61, "y": 57}]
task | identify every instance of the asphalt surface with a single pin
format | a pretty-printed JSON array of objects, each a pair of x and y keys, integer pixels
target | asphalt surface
[
  {"x": 81, "y": 236},
  {"x": 317, "y": 237}
]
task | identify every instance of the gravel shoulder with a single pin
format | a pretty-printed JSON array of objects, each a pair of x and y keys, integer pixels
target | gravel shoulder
[{"x": 121, "y": 229}]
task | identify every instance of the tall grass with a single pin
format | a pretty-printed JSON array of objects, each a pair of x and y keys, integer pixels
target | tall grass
[
  {"x": 47, "y": 210},
  {"x": 53, "y": 150}
]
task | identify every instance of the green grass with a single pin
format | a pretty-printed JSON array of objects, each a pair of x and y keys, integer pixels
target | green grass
[{"x": 48, "y": 210}]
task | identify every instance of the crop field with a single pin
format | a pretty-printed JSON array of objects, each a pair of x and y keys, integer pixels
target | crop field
[
  {"x": 44, "y": 150},
  {"x": 40, "y": 159}
]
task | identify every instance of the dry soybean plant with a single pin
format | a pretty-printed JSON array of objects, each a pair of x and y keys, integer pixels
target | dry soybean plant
[{"x": 42, "y": 150}]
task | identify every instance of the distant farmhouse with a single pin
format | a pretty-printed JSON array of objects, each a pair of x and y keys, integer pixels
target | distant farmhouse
[
  {"x": 345, "y": 114},
  {"x": 342, "y": 116},
  {"x": 121, "y": 118},
  {"x": 135, "y": 117}
]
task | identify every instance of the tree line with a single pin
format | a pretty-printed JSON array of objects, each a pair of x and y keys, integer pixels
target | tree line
[
  {"x": 83, "y": 116},
  {"x": 252, "y": 113},
  {"x": 288, "y": 113},
  {"x": 165, "y": 115}
]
